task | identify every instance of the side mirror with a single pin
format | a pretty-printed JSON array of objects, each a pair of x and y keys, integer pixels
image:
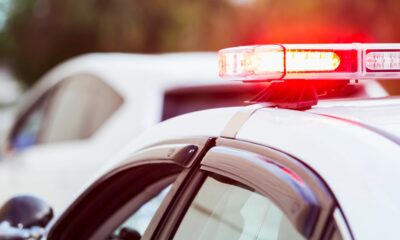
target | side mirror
[{"x": 26, "y": 212}]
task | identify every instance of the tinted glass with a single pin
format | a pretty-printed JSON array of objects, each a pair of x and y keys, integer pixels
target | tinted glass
[
  {"x": 27, "y": 130},
  {"x": 81, "y": 105},
  {"x": 224, "y": 209},
  {"x": 74, "y": 109},
  {"x": 119, "y": 206},
  {"x": 140, "y": 220},
  {"x": 190, "y": 99}
]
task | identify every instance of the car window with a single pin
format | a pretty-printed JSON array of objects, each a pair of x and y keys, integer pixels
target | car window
[
  {"x": 119, "y": 206},
  {"x": 189, "y": 99},
  {"x": 225, "y": 209},
  {"x": 73, "y": 109},
  {"x": 139, "y": 221},
  {"x": 81, "y": 105},
  {"x": 27, "y": 130},
  {"x": 336, "y": 235}
]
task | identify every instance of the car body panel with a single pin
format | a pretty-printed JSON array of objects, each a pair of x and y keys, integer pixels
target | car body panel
[
  {"x": 380, "y": 114},
  {"x": 359, "y": 165}
]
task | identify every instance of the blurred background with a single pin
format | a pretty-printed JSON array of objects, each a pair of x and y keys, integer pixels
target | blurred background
[{"x": 36, "y": 35}]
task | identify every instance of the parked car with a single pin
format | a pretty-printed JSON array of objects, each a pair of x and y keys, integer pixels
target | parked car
[
  {"x": 291, "y": 166},
  {"x": 85, "y": 109}
]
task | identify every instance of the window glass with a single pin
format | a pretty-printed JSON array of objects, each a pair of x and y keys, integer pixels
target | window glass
[
  {"x": 120, "y": 205},
  {"x": 185, "y": 100},
  {"x": 140, "y": 220},
  {"x": 27, "y": 131},
  {"x": 74, "y": 109},
  {"x": 82, "y": 104},
  {"x": 336, "y": 236},
  {"x": 224, "y": 209}
]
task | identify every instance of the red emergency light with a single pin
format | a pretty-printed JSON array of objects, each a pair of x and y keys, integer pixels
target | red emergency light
[{"x": 310, "y": 61}]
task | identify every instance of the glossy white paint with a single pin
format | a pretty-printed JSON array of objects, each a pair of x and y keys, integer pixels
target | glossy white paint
[
  {"x": 207, "y": 123},
  {"x": 361, "y": 167},
  {"x": 378, "y": 113},
  {"x": 55, "y": 171}
]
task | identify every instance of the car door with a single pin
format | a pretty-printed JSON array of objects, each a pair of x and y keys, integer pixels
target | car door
[
  {"x": 245, "y": 191},
  {"x": 129, "y": 201},
  {"x": 234, "y": 190}
]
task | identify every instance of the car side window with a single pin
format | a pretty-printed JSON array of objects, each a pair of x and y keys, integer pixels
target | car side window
[
  {"x": 81, "y": 105},
  {"x": 138, "y": 222},
  {"x": 226, "y": 209},
  {"x": 73, "y": 109},
  {"x": 119, "y": 206},
  {"x": 26, "y": 133}
]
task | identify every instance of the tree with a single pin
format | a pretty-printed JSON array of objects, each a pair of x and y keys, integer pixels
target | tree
[{"x": 42, "y": 33}]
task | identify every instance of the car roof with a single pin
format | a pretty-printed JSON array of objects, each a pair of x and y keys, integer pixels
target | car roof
[
  {"x": 130, "y": 73},
  {"x": 118, "y": 69},
  {"x": 359, "y": 164},
  {"x": 340, "y": 140},
  {"x": 115, "y": 62},
  {"x": 382, "y": 115}
]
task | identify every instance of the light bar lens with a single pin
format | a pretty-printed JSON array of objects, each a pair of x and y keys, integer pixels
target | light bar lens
[
  {"x": 310, "y": 61},
  {"x": 377, "y": 61},
  {"x": 266, "y": 62}
]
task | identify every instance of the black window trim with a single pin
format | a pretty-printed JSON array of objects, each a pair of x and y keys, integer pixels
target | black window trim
[
  {"x": 264, "y": 175},
  {"x": 95, "y": 206},
  {"x": 326, "y": 202},
  {"x": 341, "y": 225},
  {"x": 326, "y": 199},
  {"x": 176, "y": 211},
  {"x": 125, "y": 211},
  {"x": 172, "y": 213},
  {"x": 181, "y": 153}
]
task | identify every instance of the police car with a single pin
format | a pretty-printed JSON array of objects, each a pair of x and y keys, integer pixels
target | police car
[{"x": 288, "y": 166}]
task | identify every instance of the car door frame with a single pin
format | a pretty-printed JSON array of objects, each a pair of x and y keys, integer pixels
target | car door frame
[
  {"x": 326, "y": 202},
  {"x": 173, "y": 208},
  {"x": 182, "y": 152}
]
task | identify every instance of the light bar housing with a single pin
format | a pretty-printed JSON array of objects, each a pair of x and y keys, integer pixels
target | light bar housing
[{"x": 310, "y": 61}]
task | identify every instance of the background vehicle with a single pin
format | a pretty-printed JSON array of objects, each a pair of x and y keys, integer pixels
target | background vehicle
[{"x": 82, "y": 111}]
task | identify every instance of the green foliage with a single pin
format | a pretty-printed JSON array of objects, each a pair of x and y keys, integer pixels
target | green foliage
[{"x": 41, "y": 33}]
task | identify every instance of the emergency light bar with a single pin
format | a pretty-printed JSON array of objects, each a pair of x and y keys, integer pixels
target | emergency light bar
[{"x": 310, "y": 61}]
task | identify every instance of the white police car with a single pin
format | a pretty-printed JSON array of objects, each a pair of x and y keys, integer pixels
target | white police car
[{"x": 287, "y": 167}]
